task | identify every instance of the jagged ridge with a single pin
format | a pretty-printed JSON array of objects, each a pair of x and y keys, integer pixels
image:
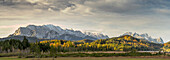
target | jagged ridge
[
  {"x": 145, "y": 37},
  {"x": 55, "y": 32}
]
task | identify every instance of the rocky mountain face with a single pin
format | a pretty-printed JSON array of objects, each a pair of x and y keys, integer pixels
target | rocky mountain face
[
  {"x": 55, "y": 32},
  {"x": 145, "y": 37}
]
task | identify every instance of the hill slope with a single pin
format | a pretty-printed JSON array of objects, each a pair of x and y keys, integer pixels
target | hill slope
[
  {"x": 167, "y": 47},
  {"x": 111, "y": 44},
  {"x": 130, "y": 42}
]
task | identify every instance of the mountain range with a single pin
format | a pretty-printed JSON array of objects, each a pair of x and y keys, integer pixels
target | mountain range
[
  {"x": 145, "y": 37},
  {"x": 49, "y": 32},
  {"x": 55, "y": 32}
]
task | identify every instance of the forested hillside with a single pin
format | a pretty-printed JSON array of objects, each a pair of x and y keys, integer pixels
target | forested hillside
[
  {"x": 123, "y": 43},
  {"x": 167, "y": 47}
]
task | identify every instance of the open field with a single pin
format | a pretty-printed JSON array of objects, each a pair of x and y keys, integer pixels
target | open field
[{"x": 84, "y": 58}]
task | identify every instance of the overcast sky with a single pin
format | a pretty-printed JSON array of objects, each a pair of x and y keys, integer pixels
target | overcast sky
[{"x": 110, "y": 17}]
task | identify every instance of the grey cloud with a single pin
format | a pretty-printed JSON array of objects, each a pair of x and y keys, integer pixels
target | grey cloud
[
  {"x": 14, "y": 2},
  {"x": 128, "y": 6},
  {"x": 110, "y": 6},
  {"x": 38, "y": 4}
]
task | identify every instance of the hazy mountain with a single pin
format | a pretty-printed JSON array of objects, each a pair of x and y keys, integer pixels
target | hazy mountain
[
  {"x": 145, "y": 37},
  {"x": 31, "y": 39},
  {"x": 56, "y": 32}
]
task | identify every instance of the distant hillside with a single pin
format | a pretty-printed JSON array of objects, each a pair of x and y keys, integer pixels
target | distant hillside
[
  {"x": 167, "y": 47},
  {"x": 83, "y": 41},
  {"x": 130, "y": 42},
  {"x": 111, "y": 44}
]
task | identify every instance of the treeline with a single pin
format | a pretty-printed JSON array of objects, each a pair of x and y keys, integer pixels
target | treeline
[
  {"x": 14, "y": 45},
  {"x": 23, "y": 48}
]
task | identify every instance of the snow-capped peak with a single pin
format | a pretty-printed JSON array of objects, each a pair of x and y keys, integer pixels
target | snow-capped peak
[
  {"x": 99, "y": 35},
  {"x": 55, "y": 32},
  {"x": 145, "y": 36},
  {"x": 52, "y": 27}
]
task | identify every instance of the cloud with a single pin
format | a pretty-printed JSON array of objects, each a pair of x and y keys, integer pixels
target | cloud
[
  {"x": 112, "y": 17},
  {"x": 78, "y": 10},
  {"x": 34, "y": 1},
  {"x": 162, "y": 11},
  {"x": 90, "y": 6}
]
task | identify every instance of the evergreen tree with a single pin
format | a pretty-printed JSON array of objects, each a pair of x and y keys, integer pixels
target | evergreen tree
[
  {"x": 37, "y": 50},
  {"x": 25, "y": 43},
  {"x": 53, "y": 51},
  {"x": 6, "y": 46}
]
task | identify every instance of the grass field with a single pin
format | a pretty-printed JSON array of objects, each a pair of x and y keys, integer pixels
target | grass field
[{"x": 81, "y": 58}]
